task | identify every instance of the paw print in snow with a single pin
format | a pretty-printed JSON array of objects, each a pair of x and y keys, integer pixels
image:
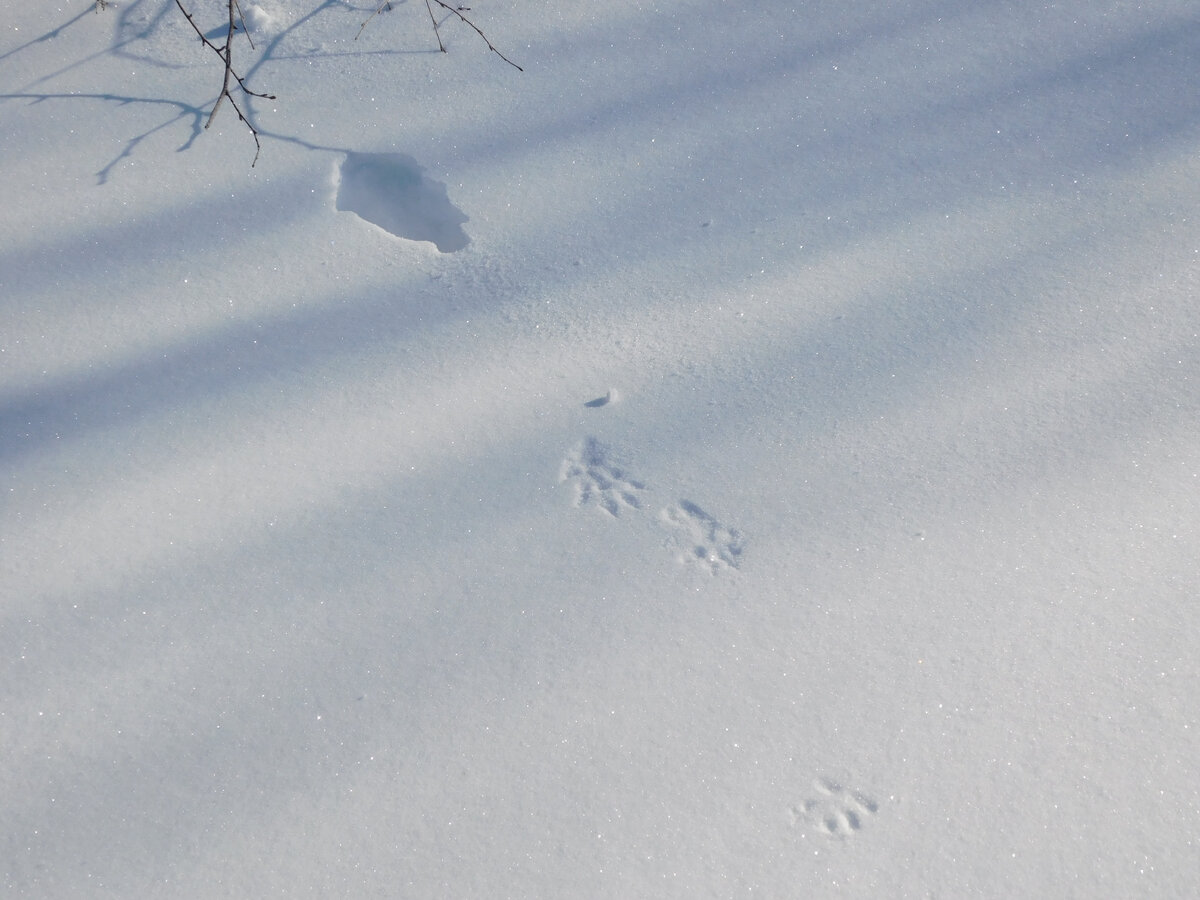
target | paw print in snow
[
  {"x": 704, "y": 540},
  {"x": 834, "y": 810},
  {"x": 599, "y": 480}
]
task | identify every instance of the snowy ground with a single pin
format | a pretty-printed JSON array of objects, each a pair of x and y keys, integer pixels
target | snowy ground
[{"x": 751, "y": 451}]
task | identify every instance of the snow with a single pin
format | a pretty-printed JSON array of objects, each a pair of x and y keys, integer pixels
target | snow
[{"x": 748, "y": 452}]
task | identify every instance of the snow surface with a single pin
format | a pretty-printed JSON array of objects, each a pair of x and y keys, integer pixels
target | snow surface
[{"x": 324, "y": 571}]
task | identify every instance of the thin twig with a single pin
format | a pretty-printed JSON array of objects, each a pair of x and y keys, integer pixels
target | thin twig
[
  {"x": 456, "y": 11},
  {"x": 386, "y": 4},
  {"x": 437, "y": 34},
  {"x": 245, "y": 27}
]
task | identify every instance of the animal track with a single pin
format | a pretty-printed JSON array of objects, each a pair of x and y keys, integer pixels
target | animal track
[
  {"x": 599, "y": 479},
  {"x": 834, "y": 810},
  {"x": 705, "y": 541}
]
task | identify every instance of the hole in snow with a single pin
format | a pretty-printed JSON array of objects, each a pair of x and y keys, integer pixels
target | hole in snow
[{"x": 389, "y": 190}]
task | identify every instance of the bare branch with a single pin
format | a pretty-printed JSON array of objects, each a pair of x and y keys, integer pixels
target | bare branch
[
  {"x": 456, "y": 11},
  {"x": 226, "y": 54},
  {"x": 230, "y": 75}
]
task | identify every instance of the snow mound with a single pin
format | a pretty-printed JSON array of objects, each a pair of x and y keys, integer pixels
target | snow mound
[{"x": 262, "y": 21}]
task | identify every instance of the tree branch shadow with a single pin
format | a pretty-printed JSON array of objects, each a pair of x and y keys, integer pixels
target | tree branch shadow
[
  {"x": 183, "y": 111},
  {"x": 48, "y": 36}
]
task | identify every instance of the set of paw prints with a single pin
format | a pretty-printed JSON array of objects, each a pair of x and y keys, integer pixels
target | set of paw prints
[
  {"x": 833, "y": 810},
  {"x": 601, "y": 480}
]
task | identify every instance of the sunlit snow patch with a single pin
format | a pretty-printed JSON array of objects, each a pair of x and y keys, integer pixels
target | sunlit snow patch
[{"x": 388, "y": 190}]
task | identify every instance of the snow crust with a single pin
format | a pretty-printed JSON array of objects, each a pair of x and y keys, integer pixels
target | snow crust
[{"x": 331, "y": 565}]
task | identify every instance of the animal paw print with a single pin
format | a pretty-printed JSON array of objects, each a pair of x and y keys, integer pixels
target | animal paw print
[
  {"x": 705, "y": 541},
  {"x": 834, "y": 810},
  {"x": 599, "y": 479}
]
